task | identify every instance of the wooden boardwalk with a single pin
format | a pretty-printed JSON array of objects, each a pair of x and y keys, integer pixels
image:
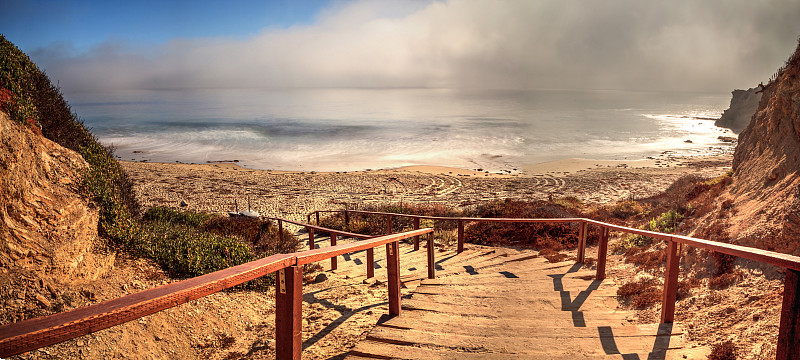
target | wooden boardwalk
[{"x": 490, "y": 303}]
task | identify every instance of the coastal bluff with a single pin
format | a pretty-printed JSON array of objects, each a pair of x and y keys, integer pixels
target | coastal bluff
[
  {"x": 762, "y": 204},
  {"x": 744, "y": 104}
]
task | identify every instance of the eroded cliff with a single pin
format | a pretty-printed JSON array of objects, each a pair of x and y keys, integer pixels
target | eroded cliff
[
  {"x": 47, "y": 226},
  {"x": 761, "y": 207}
]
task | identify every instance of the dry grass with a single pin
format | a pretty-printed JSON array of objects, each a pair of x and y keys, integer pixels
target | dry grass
[
  {"x": 376, "y": 224},
  {"x": 685, "y": 287},
  {"x": 534, "y": 235},
  {"x": 723, "y": 351},
  {"x": 640, "y": 294},
  {"x": 723, "y": 281},
  {"x": 646, "y": 260},
  {"x": 724, "y": 263}
]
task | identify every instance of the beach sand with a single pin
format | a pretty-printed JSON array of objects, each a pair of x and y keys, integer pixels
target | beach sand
[{"x": 222, "y": 187}]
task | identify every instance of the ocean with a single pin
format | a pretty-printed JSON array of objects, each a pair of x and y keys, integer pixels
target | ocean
[{"x": 358, "y": 129}]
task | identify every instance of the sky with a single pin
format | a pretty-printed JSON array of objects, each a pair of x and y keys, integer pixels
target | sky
[{"x": 679, "y": 45}]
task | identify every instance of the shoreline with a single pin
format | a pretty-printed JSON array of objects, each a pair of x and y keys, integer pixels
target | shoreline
[
  {"x": 566, "y": 165},
  {"x": 221, "y": 187},
  {"x": 499, "y": 165}
]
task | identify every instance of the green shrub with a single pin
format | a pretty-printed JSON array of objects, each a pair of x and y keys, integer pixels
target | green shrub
[
  {"x": 724, "y": 178},
  {"x": 184, "y": 251},
  {"x": 631, "y": 241},
  {"x": 98, "y": 182},
  {"x": 188, "y": 244},
  {"x": 167, "y": 215},
  {"x": 16, "y": 77},
  {"x": 666, "y": 223}
]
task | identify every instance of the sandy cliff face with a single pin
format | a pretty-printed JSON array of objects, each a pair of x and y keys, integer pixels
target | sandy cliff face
[
  {"x": 765, "y": 193},
  {"x": 47, "y": 229},
  {"x": 744, "y": 104}
]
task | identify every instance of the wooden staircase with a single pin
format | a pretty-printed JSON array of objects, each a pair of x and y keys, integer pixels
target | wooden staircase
[{"x": 491, "y": 302}]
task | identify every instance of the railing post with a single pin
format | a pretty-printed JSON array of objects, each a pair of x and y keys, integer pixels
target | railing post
[
  {"x": 289, "y": 313},
  {"x": 416, "y": 238},
  {"x": 311, "y": 239},
  {"x": 431, "y": 262},
  {"x": 393, "y": 274},
  {"x": 317, "y": 213},
  {"x": 460, "y": 236},
  {"x": 388, "y": 224},
  {"x": 789, "y": 333},
  {"x": 370, "y": 263},
  {"x": 582, "y": 242},
  {"x": 333, "y": 259},
  {"x": 602, "y": 250},
  {"x": 280, "y": 233},
  {"x": 347, "y": 219},
  {"x": 670, "y": 283}
]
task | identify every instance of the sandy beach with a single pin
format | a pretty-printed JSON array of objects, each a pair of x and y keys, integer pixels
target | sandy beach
[{"x": 221, "y": 187}]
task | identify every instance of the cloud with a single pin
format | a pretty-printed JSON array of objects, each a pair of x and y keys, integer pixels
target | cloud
[{"x": 626, "y": 44}]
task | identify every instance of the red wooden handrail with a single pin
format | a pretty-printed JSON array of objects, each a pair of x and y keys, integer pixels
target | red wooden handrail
[
  {"x": 27, "y": 335},
  {"x": 34, "y": 333},
  {"x": 522, "y": 220},
  {"x": 764, "y": 256},
  {"x": 320, "y": 228},
  {"x": 38, "y": 332},
  {"x": 789, "y": 333},
  {"x": 310, "y": 256}
]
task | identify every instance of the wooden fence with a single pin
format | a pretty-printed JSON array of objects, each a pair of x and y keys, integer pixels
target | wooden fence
[
  {"x": 39, "y": 332},
  {"x": 27, "y": 335},
  {"x": 788, "y": 346}
]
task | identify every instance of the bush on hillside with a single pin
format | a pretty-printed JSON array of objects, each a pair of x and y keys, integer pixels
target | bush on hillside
[
  {"x": 641, "y": 293},
  {"x": 187, "y": 243},
  {"x": 666, "y": 223},
  {"x": 725, "y": 350}
]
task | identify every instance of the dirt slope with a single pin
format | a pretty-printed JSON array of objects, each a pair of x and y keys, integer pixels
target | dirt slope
[{"x": 48, "y": 229}]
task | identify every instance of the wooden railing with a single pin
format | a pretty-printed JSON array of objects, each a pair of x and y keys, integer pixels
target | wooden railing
[
  {"x": 35, "y": 333},
  {"x": 788, "y": 346}
]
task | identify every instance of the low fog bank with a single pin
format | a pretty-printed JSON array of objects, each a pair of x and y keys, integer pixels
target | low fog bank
[{"x": 685, "y": 46}]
